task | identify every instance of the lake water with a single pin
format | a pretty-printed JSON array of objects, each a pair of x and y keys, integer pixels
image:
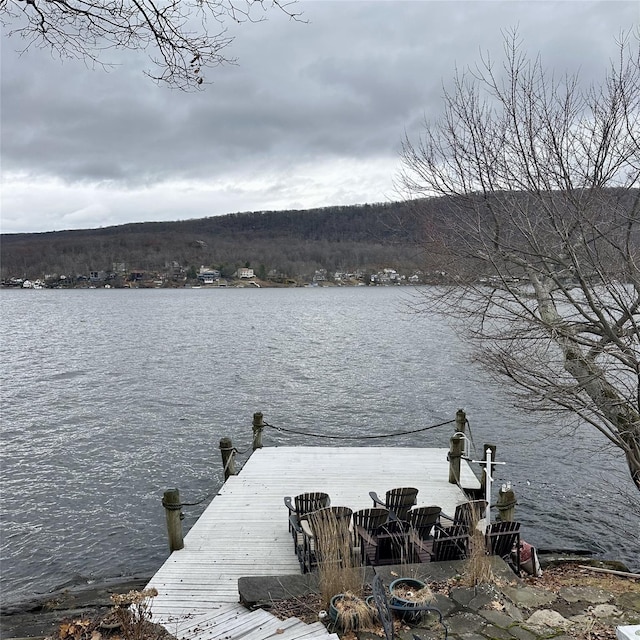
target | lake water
[{"x": 110, "y": 397}]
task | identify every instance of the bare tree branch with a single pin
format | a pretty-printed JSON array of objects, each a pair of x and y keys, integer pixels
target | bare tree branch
[
  {"x": 183, "y": 38},
  {"x": 546, "y": 183}
]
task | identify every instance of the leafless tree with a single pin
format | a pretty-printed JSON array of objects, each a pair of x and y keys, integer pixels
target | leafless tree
[
  {"x": 540, "y": 176},
  {"x": 183, "y": 38}
]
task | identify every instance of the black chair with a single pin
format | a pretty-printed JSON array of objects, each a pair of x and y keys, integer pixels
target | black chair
[
  {"x": 422, "y": 520},
  {"x": 302, "y": 505},
  {"x": 398, "y": 501},
  {"x": 389, "y": 543},
  {"x": 467, "y": 514},
  {"x": 327, "y": 536},
  {"x": 367, "y": 521},
  {"x": 386, "y": 609},
  {"x": 450, "y": 543},
  {"x": 503, "y": 539}
]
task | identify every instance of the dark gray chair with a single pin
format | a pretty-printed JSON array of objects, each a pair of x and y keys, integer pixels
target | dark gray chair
[
  {"x": 450, "y": 543},
  {"x": 503, "y": 539},
  {"x": 298, "y": 508},
  {"x": 398, "y": 501}
]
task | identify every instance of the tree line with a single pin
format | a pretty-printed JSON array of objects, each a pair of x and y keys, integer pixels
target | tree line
[{"x": 293, "y": 243}]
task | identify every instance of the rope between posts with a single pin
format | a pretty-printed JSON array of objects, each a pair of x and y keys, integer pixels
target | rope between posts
[
  {"x": 176, "y": 506},
  {"x": 335, "y": 437}
]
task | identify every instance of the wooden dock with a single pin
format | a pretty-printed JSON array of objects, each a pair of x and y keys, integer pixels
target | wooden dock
[{"x": 244, "y": 531}]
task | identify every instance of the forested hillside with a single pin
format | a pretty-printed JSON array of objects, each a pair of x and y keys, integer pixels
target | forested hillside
[
  {"x": 292, "y": 244},
  {"x": 428, "y": 236}
]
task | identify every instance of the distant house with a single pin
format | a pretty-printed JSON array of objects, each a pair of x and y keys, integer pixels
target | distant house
[
  {"x": 245, "y": 272},
  {"x": 209, "y": 277},
  {"x": 97, "y": 276},
  {"x": 136, "y": 276}
]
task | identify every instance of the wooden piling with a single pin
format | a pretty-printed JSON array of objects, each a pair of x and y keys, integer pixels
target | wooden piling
[
  {"x": 506, "y": 504},
  {"x": 456, "y": 449},
  {"x": 173, "y": 512},
  {"x": 258, "y": 426},
  {"x": 461, "y": 421},
  {"x": 228, "y": 457}
]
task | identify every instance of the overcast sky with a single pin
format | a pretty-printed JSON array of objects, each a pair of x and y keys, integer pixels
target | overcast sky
[{"x": 312, "y": 115}]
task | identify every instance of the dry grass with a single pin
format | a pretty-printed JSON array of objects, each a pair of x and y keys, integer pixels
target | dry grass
[
  {"x": 133, "y": 612},
  {"x": 353, "y": 613},
  {"x": 478, "y": 566},
  {"x": 420, "y": 596},
  {"x": 339, "y": 571}
]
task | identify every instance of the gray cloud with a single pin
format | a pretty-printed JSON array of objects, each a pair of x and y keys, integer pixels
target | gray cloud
[{"x": 312, "y": 115}]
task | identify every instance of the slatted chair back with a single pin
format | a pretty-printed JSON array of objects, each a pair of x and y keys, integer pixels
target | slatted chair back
[
  {"x": 423, "y": 519},
  {"x": 365, "y": 523},
  {"x": 330, "y": 535},
  {"x": 468, "y": 514},
  {"x": 308, "y": 502},
  {"x": 450, "y": 543},
  {"x": 400, "y": 501},
  {"x": 503, "y": 538},
  {"x": 370, "y": 519},
  {"x": 301, "y": 505},
  {"x": 389, "y": 543}
]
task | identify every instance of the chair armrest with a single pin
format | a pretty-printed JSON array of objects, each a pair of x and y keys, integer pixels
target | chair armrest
[
  {"x": 295, "y": 524},
  {"x": 366, "y": 536},
  {"x": 306, "y": 529},
  {"x": 376, "y": 500},
  {"x": 446, "y": 517},
  {"x": 289, "y": 504}
]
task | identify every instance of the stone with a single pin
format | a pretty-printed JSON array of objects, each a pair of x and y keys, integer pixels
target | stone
[
  {"x": 471, "y": 598},
  {"x": 529, "y": 597},
  {"x": 465, "y": 622},
  {"x": 512, "y": 611},
  {"x": 629, "y": 601},
  {"x": 521, "y": 633},
  {"x": 257, "y": 590},
  {"x": 445, "y": 604},
  {"x": 547, "y": 618},
  {"x": 497, "y": 618},
  {"x": 606, "y": 611},
  {"x": 585, "y": 594},
  {"x": 496, "y": 633}
]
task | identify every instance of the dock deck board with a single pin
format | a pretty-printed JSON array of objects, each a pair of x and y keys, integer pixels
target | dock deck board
[{"x": 244, "y": 530}]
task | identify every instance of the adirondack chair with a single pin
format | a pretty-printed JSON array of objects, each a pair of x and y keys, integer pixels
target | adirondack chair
[
  {"x": 503, "y": 539},
  {"x": 327, "y": 536},
  {"x": 422, "y": 521},
  {"x": 467, "y": 514},
  {"x": 366, "y": 521},
  {"x": 398, "y": 501},
  {"x": 450, "y": 543},
  {"x": 301, "y": 505},
  {"x": 386, "y": 610},
  {"x": 389, "y": 543}
]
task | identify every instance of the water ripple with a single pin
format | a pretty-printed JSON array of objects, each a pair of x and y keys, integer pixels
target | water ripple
[{"x": 102, "y": 411}]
